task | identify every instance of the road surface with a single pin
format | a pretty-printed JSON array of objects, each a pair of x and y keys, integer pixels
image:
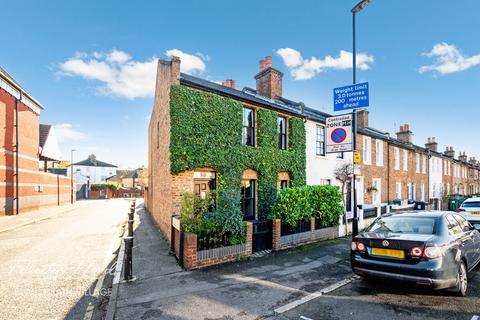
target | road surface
[{"x": 49, "y": 268}]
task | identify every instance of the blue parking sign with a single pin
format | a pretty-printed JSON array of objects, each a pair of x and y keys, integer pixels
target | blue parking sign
[{"x": 351, "y": 97}]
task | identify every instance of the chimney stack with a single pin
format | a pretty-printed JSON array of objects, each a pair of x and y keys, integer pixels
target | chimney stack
[
  {"x": 362, "y": 118},
  {"x": 431, "y": 144},
  {"x": 449, "y": 152},
  {"x": 229, "y": 83},
  {"x": 269, "y": 80},
  {"x": 463, "y": 157},
  {"x": 405, "y": 135},
  {"x": 472, "y": 161}
]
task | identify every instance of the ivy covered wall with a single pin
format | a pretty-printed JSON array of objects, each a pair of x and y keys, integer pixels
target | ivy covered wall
[{"x": 206, "y": 131}]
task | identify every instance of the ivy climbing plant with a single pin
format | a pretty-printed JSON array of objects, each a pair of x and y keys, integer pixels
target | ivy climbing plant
[{"x": 206, "y": 131}]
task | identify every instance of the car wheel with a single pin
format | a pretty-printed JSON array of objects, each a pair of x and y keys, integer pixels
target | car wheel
[{"x": 462, "y": 280}]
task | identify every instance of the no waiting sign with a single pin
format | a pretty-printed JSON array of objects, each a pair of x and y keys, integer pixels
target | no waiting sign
[{"x": 339, "y": 133}]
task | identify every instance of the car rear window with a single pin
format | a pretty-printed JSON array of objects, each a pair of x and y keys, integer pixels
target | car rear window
[
  {"x": 408, "y": 225},
  {"x": 471, "y": 204}
]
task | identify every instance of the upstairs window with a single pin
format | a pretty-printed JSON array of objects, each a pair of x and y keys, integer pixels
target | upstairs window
[
  {"x": 320, "y": 141},
  {"x": 367, "y": 150},
  {"x": 379, "y": 152},
  {"x": 405, "y": 160},
  {"x": 282, "y": 133},
  {"x": 248, "y": 128},
  {"x": 396, "y": 158}
]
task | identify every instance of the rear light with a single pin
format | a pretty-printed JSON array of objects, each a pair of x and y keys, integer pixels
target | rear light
[
  {"x": 426, "y": 252},
  {"x": 460, "y": 210},
  {"x": 358, "y": 246},
  {"x": 416, "y": 252}
]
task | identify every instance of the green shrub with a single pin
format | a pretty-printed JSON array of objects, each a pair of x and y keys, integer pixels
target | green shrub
[
  {"x": 326, "y": 204},
  {"x": 223, "y": 221},
  {"x": 110, "y": 185},
  {"x": 300, "y": 204},
  {"x": 293, "y": 205}
]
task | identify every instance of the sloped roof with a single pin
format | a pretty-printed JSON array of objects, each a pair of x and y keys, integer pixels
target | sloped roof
[
  {"x": 48, "y": 144},
  {"x": 91, "y": 161},
  {"x": 44, "y": 130}
]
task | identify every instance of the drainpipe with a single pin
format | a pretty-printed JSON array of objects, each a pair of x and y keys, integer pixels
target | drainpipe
[
  {"x": 17, "y": 143},
  {"x": 388, "y": 172}
]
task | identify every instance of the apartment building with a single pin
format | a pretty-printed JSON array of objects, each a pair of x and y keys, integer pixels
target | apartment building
[{"x": 26, "y": 148}]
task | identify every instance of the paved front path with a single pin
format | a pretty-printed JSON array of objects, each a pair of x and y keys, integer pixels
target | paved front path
[
  {"x": 47, "y": 267},
  {"x": 243, "y": 290}
]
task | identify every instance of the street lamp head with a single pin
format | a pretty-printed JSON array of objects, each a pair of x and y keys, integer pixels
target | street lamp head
[{"x": 360, "y": 6}]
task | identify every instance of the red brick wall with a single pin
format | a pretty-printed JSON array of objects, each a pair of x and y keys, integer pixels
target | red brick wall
[
  {"x": 161, "y": 184},
  {"x": 54, "y": 189}
]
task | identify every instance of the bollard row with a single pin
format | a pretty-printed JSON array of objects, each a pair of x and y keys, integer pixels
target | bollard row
[{"x": 128, "y": 258}]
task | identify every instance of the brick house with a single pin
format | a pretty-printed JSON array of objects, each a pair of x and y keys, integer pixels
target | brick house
[
  {"x": 25, "y": 147},
  {"x": 203, "y": 134},
  {"x": 392, "y": 169}
]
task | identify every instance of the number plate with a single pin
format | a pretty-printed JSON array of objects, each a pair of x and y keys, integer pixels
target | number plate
[
  {"x": 475, "y": 212},
  {"x": 400, "y": 254}
]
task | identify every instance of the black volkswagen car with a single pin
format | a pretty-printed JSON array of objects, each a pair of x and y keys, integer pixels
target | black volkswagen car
[{"x": 433, "y": 249}]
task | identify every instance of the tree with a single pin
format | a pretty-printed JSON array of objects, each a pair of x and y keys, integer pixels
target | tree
[{"x": 344, "y": 174}]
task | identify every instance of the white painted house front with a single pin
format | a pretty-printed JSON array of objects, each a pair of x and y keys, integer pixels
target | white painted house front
[
  {"x": 92, "y": 170},
  {"x": 320, "y": 165}
]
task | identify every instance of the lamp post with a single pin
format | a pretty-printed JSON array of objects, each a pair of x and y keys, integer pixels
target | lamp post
[
  {"x": 359, "y": 7},
  {"x": 71, "y": 175}
]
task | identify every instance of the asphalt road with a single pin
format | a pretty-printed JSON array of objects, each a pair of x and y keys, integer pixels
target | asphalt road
[
  {"x": 49, "y": 268},
  {"x": 366, "y": 300}
]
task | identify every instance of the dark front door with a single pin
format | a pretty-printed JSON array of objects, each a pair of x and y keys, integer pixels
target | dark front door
[{"x": 262, "y": 236}]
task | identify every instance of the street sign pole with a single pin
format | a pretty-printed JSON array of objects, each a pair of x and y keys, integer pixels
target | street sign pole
[{"x": 354, "y": 125}]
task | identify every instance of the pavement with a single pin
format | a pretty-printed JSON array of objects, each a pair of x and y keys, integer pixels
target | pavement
[
  {"x": 12, "y": 222},
  {"x": 50, "y": 268},
  {"x": 307, "y": 283}
]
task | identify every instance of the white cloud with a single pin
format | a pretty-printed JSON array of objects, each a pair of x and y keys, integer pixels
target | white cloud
[
  {"x": 190, "y": 63},
  {"x": 121, "y": 75},
  {"x": 448, "y": 59},
  {"x": 303, "y": 69},
  {"x": 66, "y": 131}
]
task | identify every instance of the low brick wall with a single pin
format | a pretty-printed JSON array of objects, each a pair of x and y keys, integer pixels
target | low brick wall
[
  {"x": 297, "y": 239},
  {"x": 191, "y": 258}
]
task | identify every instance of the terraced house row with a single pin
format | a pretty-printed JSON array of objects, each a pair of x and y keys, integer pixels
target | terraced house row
[{"x": 203, "y": 135}]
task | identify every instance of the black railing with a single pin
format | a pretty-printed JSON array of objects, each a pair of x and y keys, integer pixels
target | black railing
[
  {"x": 369, "y": 212},
  {"x": 384, "y": 210},
  {"x": 207, "y": 240},
  {"x": 302, "y": 226}
]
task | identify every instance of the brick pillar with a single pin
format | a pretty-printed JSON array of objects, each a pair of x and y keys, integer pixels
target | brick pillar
[
  {"x": 277, "y": 233},
  {"x": 312, "y": 224},
  {"x": 249, "y": 238},
  {"x": 189, "y": 250}
]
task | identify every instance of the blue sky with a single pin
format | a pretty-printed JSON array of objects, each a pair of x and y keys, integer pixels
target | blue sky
[{"x": 90, "y": 62}]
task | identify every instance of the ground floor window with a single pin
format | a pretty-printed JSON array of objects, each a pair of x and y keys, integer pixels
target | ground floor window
[
  {"x": 283, "y": 184},
  {"x": 248, "y": 199}
]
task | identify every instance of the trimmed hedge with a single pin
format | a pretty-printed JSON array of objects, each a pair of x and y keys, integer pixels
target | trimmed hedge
[
  {"x": 300, "y": 204},
  {"x": 206, "y": 131}
]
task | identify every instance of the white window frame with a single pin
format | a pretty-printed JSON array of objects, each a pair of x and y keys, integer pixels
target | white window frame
[
  {"x": 396, "y": 158},
  {"x": 398, "y": 190},
  {"x": 417, "y": 163},
  {"x": 405, "y": 160},
  {"x": 377, "y": 195},
  {"x": 424, "y": 164},
  {"x": 367, "y": 150},
  {"x": 379, "y": 152},
  {"x": 422, "y": 192}
]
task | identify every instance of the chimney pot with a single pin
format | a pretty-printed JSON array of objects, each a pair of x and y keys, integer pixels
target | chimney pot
[
  {"x": 262, "y": 64},
  {"x": 268, "y": 61}
]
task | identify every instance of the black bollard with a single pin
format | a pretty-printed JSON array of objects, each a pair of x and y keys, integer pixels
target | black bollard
[
  {"x": 130, "y": 228},
  {"x": 127, "y": 262}
]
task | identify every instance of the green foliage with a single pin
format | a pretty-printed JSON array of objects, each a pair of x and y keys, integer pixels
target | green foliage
[
  {"x": 326, "y": 204},
  {"x": 206, "y": 131},
  {"x": 112, "y": 186},
  {"x": 225, "y": 221},
  {"x": 302, "y": 203}
]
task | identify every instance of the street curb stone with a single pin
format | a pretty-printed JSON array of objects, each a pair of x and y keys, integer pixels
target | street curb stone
[{"x": 112, "y": 302}]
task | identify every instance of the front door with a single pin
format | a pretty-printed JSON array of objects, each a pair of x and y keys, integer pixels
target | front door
[{"x": 360, "y": 190}]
